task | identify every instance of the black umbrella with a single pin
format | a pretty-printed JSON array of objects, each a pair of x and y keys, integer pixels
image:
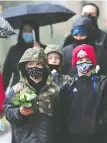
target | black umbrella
[
  {"x": 41, "y": 14},
  {"x": 5, "y": 28}
]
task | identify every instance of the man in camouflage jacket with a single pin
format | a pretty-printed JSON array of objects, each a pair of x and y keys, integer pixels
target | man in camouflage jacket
[{"x": 33, "y": 125}]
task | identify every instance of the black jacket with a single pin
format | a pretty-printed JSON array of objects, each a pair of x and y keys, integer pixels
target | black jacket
[
  {"x": 88, "y": 105},
  {"x": 11, "y": 62},
  {"x": 12, "y": 59}
]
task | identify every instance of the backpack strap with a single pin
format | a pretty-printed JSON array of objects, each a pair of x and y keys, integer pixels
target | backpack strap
[
  {"x": 94, "y": 78},
  {"x": 101, "y": 84}
]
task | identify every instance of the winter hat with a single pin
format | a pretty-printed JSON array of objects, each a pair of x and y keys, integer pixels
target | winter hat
[
  {"x": 79, "y": 30},
  {"x": 83, "y": 51},
  {"x": 53, "y": 48}
]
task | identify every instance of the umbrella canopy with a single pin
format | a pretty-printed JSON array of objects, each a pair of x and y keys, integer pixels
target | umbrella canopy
[
  {"x": 41, "y": 14},
  {"x": 5, "y": 28}
]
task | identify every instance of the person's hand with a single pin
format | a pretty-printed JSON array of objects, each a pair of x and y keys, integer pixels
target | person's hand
[
  {"x": 26, "y": 111},
  {"x": 36, "y": 44}
]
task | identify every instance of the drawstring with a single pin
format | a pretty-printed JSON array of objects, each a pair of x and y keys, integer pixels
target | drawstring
[{"x": 71, "y": 91}]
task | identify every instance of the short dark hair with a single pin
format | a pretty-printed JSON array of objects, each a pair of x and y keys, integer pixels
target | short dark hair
[{"x": 94, "y": 5}]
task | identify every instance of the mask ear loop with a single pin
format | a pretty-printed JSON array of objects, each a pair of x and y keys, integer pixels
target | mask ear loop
[{"x": 34, "y": 38}]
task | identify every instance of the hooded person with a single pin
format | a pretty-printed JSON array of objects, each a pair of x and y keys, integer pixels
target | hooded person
[
  {"x": 33, "y": 123},
  {"x": 87, "y": 99},
  {"x": 25, "y": 41},
  {"x": 93, "y": 12},
  {"x": 81, "y": 33},
  {"x": 82, "y": 26},
  {"x": 55, "y": 60}
]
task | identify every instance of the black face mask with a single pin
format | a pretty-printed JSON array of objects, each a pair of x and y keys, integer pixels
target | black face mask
[
  {"x": 52, "y": 67},
  {"x": 94, "y": 20},
  {"x": 35, "y": 72},
  {"x": 88, "y": 40}
]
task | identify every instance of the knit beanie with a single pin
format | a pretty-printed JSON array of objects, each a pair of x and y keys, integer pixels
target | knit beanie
[{"x": 83, "y": 51}]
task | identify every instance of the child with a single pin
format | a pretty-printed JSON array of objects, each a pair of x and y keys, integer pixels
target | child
[
  {"x": 88, "y": 99},
  {"x": 33, "y": 124},
  {"x": 55, "y": 60}
]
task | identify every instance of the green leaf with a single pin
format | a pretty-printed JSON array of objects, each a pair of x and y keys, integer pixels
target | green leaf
[{"x": 15, "y": 101}]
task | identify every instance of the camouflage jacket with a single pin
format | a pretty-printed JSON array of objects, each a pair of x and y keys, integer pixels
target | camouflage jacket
[
  {"x": 36, "y": 127},
  {"x": 61, "y": 80},
  {"x": 45, "y": 99}
]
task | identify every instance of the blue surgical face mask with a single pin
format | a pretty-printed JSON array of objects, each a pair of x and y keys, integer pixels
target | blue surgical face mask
[{"x": 27, "y": 37}]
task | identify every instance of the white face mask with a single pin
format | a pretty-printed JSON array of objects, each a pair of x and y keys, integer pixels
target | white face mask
[{"x": 84, "y": 68}]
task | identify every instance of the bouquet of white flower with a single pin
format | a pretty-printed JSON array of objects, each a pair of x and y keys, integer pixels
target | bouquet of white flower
[{"x": 25, "y": 98}]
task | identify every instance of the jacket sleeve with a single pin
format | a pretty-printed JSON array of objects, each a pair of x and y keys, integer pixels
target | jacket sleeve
[
  {"x": 61, "y": 108},
  {"x": 103, "y": 106},
  {"x": 68, "y": 40},
  {"x": 7, "y": 69},
  {"x": 12, "y": 113},
  {"x": 2, "y": 94}
]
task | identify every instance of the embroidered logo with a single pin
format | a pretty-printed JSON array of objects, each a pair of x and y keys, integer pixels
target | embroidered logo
[{"x": 81, "y": 54}]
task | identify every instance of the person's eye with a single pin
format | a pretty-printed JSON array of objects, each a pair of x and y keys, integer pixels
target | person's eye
[
  {"x": 38, "y": 64},
  {"x": 30, "y": 64},
  {"x": 57, "y": 58},
  {"x": 50, "y": 58},
  {"x": 80, "y": 60},
  {"x": 88, "y": 60}
]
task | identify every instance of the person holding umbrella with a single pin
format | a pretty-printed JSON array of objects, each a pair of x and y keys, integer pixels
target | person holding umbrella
[
  {"x": 25, "y": 41},
  {"x": 39, "y": 15}
]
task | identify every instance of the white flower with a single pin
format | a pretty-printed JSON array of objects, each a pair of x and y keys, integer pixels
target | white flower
[{"x": 30, "y": 97}]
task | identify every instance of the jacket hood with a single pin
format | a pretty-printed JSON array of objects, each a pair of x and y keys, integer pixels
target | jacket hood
[
  {"x": 84, "y": 21},
  {"x": 35, "y": 27},
  {"x": 53, "y": 48},
  {"x": 33, "y": 54}
]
